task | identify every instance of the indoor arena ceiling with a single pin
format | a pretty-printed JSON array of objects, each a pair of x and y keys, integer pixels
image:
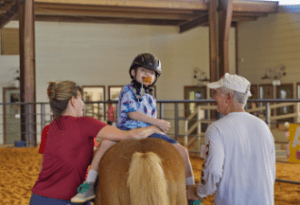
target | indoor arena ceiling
[{"x": 180, "y": 13}]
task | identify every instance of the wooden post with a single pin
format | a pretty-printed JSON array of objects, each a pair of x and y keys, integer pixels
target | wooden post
[
  {"x": 213, "y": 40},
  {"x": 213, "y": 48},
  {"x": 27, "y": 71},
  {"x": 219, "y": 40},
  {"x": 236, "y": 48},
  {"x": 225, "y": 16}
]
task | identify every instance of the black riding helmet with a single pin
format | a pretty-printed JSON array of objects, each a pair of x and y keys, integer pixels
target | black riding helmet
[{"x": 146, "y": 60}]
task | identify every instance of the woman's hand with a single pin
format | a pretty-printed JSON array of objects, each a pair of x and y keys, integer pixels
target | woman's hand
[
  {"x": 162, "y": 124},
  {"x": 142, "y": 133},
  {"x": 115, "y": 134}
]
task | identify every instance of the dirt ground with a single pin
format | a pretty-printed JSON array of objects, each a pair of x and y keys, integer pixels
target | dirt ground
[
  {"x": 285, "y": 194},
  {"x": 19, "y": 169}
]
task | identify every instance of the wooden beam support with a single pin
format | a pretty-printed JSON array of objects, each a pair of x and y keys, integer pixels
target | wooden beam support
[
  {"x": 225, "y": 16},
  {"x": 193, "y": 23},
  {"x": 252, "y": 6},
  {"x": 236, "y": 48},
  {"x": 243, "y": 18},
  {"x": 213, "y": 48},
  {"x": 248, "y": 14},
  {"x": 27, "y": 72},
  {"x": 142, "y": 9},
  {"x": 166, "y": 4},
  {"x": 74, "y": 19},
  {"x": 158, "y": 22},
  {"x": 114, "y": 8},
  {"x": 113, "y": 14},
  {"x": 10, "y": 13},
  {"x": 213, "y": 40}
]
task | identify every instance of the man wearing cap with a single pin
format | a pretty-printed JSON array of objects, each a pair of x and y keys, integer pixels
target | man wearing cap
[{"x": 240, "y": 153}]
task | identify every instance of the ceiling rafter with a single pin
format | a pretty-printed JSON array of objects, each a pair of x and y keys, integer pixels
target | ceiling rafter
[
  {"x": 193, "y": 23},
  {"x": 251, "y": 6},
  {"x": 185, "y": 14},
  {"x": 81, "y": 19},
  {"x": 11, "y": 11},
  {"x": 120, "y": 14},
  {"x": 166, "y": 4},
  {"x": 117, "y": 9}
]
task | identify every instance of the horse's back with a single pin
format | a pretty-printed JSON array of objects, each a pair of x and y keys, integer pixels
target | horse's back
[{"x": 114, "y": 166}]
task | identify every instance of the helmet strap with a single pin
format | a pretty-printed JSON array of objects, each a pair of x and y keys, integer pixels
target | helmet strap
[{"x": 140, "y": 90}]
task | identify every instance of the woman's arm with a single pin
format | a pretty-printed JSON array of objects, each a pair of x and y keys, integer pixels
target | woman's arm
[
  {"x": 138, "y": 116},
  {"x": 115, "y": 134}
]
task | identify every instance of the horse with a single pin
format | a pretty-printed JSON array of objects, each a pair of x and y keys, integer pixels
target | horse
[{"x": 148, "y": 171}]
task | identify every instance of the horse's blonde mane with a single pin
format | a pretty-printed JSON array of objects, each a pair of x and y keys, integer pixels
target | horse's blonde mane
[{"x": 146, "y": 176}]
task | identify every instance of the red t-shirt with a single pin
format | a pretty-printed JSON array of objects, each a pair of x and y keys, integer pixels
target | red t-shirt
[
  {"x": 67, "y": 156},
  {"x": 44, "y": 139}
]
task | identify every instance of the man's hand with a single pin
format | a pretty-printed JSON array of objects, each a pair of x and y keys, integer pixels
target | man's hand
[{"x": 191, "y": 193}]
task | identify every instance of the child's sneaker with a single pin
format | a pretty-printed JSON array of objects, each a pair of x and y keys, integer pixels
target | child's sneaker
[
  {"x": 86, "y": 192},
  {"x": 193, "y": 202}
]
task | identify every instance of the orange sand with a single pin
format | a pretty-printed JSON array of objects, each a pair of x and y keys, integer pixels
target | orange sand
[
  {"x": 285, "y": 194},
  {"x": 19, "y": 169}
]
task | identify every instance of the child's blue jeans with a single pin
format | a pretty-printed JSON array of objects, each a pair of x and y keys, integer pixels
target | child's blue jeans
[{"x": 164, "y": 137}]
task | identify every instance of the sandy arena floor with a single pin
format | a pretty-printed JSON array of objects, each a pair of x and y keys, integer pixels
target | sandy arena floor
[{"x": 19, "y": 169}]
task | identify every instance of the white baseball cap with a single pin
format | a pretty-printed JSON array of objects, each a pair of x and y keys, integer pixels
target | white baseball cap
[{"x": 232, "y": 82}]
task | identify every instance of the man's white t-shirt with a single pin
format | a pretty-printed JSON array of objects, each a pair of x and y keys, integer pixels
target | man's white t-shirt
[{"x": 240, "y": 161}]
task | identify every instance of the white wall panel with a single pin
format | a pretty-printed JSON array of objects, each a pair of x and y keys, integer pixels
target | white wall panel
[{"x": 267, "y": 43}]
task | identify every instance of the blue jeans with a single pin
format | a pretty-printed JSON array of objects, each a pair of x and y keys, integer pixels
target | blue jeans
[
  {"x": 163, "y": 137},
  {"x": 156, "y": 135},
  {"x": 41, "y": 200}
]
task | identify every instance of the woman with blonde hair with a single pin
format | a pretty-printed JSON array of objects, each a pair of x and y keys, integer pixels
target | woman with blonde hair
[{"x": 69, "y": 147}]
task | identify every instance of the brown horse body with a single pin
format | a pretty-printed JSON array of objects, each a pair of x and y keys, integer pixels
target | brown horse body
[{"x": 147, "y": 172}]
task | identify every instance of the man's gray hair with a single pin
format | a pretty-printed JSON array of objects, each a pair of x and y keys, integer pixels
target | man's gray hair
[{"x": 238, "y": 97}]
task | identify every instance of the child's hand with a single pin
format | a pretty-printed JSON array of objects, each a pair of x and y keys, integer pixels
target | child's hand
[{"x": 163, "y": 125}]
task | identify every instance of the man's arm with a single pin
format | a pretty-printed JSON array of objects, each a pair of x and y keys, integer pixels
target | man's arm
[{"x": 212, "y": 168}]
